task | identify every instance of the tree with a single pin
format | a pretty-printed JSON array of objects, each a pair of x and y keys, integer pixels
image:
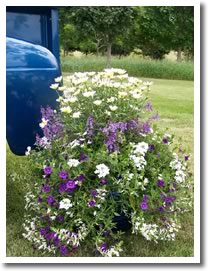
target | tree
[
  {"x": 182, "y": 30},
  {"x": 161, "y": 29},
  {"x": 103, "y": 24}
]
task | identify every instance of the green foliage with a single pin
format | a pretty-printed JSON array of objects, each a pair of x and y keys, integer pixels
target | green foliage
[
  {"x": 161, "y": 29},
  {"x": 154, "y": 30}
]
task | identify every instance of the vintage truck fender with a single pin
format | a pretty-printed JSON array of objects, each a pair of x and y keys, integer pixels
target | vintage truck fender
[{"x": 30, "y": 70}]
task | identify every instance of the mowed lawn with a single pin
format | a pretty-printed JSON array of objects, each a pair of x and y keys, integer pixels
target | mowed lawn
[{"x": 174, "y": 102}]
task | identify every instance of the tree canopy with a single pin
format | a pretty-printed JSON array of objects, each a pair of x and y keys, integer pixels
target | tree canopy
[{"x": 118, "y": 30}]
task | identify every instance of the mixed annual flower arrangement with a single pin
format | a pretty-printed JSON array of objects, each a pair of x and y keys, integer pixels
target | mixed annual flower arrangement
[{"x": 101, "y": 157}]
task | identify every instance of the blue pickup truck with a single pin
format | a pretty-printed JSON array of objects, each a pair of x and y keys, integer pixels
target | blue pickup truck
[{"x": 32, "y": 63}]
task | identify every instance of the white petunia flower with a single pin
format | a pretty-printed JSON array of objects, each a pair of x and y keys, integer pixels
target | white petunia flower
[
  {"x": 28, "y": 151},
  {"x": 58, "y": 79},
  {"x": 97, "y": 102},
  {"x": 74, "y": 143},
  {"x": 76, "y": 115},
  {"x": 111, "y": 100},
  {"x": 66, "y": 109},
  {"x": 65, "y": 204},
  {"x": 113, "y": 107},
  {"x": 73, "y": 163},
  {"x": 89, "y": 93},
  {"x": 102, "y": 170},
  {"x": 72, "y": 99},
  {"x": 43, "y": 123},
  {"x": 54, "y": 86},
  {"x": 136, "y": 95},
  {"x": 122, "y": 94},
  {"x": 62, "y": 88}
]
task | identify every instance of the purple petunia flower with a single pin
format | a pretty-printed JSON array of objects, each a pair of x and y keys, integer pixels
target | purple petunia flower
[
  {"x": 103, "y": 181},
  {"x": 50, "y": 235},
  {"x": 161, "y": 209},
  {"x": 186, "y": 157},
  {"x": 63, "y": 175},
  {"x": 71, "y": 184},
  {"x": 160, "y": 183},
  {"x": 50, "y": 199},
  {"x": 168, "y": 200},
  {"x": 46, "y": 188},
  {"x": 47, "y": 170},
  {"x": 40, "y": 200},
  {"x": 43, "y": 231},
  {"x": 81, "y": 177},
  {"x": 56, "y": 241},
  {"x": 103, "y": 247},
  {"x": 62, "y": 188},
  {"x": 144, "y": 205},
  {"x": 83, "y": 157},
  {"x": 93, "y": 193},
  {"x": 91, "y": 203},
  {"x": 165, "y": 140},
  {"x": 63, "y": 250},
  {"x": 151, "y": 147},
  {"x": 60, "y": 218}
]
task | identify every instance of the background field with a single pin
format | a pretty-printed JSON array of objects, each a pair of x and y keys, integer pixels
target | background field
[
  {"x": 135, "y": 66},
  {"x": 174, "y": 101}
]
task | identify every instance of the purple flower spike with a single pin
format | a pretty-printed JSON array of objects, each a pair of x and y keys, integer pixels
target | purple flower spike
[
  {"x": 50, "y": 199},
  {"x": 103, "y": 181},
  {"x": 144, "y": 205},
  {"x": 91, "y": 203},
  {"x": 63, "y": 175},
  {"x": 46, "y": 188},
  {"x": 71, "y": 184},
  {"x": 148, "y": 106},
  {"x": 104, "y": 247},
  {"x": 145, "y": 198},
  {"x": 161, "y": 183},
  {"x": 146, "y": 128},
  {"x": 63, "y": 250},
  {"x": 47, "y": 170}
]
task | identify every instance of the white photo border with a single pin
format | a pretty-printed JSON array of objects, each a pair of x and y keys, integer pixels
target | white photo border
[{"x": 196, "y": 257}]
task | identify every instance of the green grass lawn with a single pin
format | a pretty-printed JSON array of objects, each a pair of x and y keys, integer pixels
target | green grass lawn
[{"x": 174, "y": 102}]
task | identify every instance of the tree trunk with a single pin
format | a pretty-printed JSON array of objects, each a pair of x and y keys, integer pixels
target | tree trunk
[
  {"x": 179, "y": 58},
  {"x": 109, "y": 45}
]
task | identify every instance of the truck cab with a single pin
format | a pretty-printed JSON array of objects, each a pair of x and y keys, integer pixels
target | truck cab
[{"x": 32, "y": 63}]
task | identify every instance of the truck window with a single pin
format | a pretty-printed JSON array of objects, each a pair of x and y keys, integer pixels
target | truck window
[{"x": 28, "y": 27}]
